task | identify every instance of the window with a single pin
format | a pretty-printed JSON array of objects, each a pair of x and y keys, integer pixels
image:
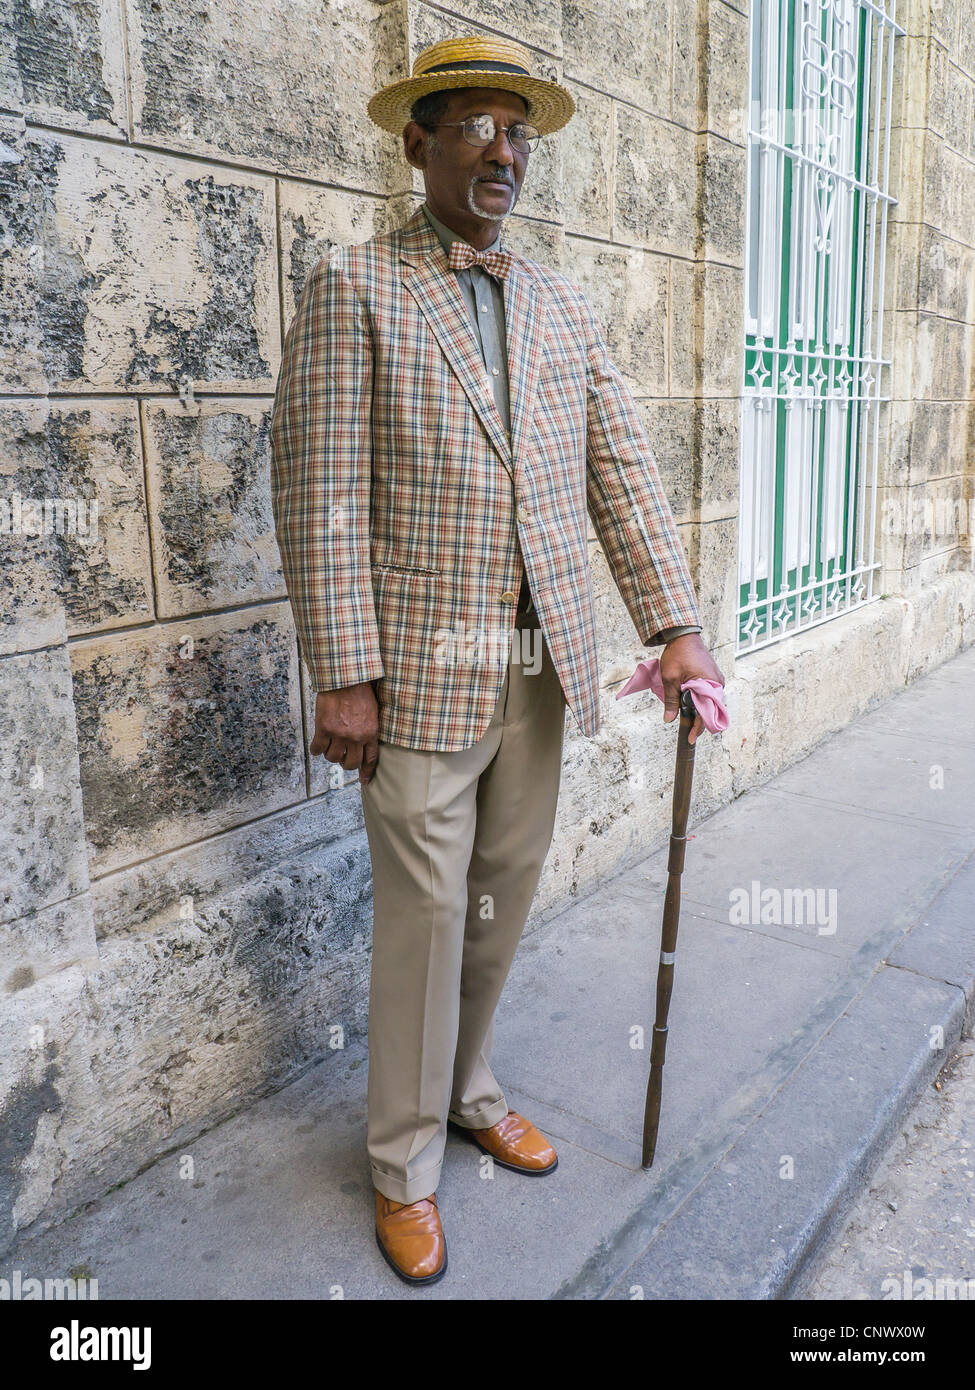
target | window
[{"x": 820, "y": 76}]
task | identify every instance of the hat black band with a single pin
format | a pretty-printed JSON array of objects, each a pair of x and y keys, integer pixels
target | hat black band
[{"x": 477, "y": 66}]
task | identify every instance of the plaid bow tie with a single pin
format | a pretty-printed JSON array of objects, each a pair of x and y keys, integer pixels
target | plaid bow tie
[{"x": 462, "y": 255}]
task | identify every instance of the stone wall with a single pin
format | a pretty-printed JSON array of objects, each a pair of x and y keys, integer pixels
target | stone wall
[{"x": 185, "y": 896}]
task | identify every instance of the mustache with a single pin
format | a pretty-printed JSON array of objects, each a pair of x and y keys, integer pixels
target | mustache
[{"x": 495, "y": 178}]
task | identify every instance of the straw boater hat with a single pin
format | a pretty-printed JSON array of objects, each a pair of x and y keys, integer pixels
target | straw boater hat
[{"x": 474, "y": 62}]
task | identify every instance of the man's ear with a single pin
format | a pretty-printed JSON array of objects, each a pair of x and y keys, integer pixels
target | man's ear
[{"x": 414, "y": 145}]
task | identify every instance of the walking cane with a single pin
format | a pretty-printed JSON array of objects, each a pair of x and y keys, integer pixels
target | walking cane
[{"x": 683, "y": 776}]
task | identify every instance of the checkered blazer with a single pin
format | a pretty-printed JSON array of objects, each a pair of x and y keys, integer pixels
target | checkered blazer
[{"x": 403, "y": 509}]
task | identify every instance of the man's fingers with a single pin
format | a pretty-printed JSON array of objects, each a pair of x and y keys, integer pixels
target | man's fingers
[
  {"x": 370, "y": 758},
  {"x": 352, "y": 757},
  {"x": 696, "y": 728}
]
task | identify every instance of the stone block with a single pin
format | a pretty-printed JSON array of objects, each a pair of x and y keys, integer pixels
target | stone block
[
  {"x": 283, "y": 87},
  {"x": 42, "y": 854},
  {"x": 930, "y": 517},
  {"x": 909, "y": 151},
  {"x": 684, "y": 318},
  {"x": 943, "y": 362},
  {"x": 938, "y": 440},
  {"x": 901, "y": 289},
  {"x": 718, "y": 448},
  {"x": 673, "y": 428},
  {"x": 943, "y": 17},
  {"x": 208, "y": 466},
  {"x": 539, "y": 26},
  {"x": 63, "y": 64},
  {"x": 726, "y": 64},
  {"x": 47, "y": 941},
  {"x": 722, "y": 182},
  {"x": 587, "y": 162},
  {"x": 130, "y": 270},
  {"x": 172, "y": 885},
  {"x": 957, "y": 94},
  {"x": 186, "y": 729},
  {"x": 713, "y": 552},
  {"x": 686, "y": 64},
  {"x": 312, "y": 220},
  {"x": 946, "y": 276},
  {"x": 653, "y": 203},
  {"x": 539, "y": 241},
  {"x": 45, "y": 1086},
  {"x": 948, "y": 190},
  {"x": 71, "y": 480},
  {"x": 621, "y": 47},
  {"x": 206, "y": 1008},
  {"x": 917, "y": 86},
  {"x": 627, "y": 290},
  {"x": 722, "y": 339}
]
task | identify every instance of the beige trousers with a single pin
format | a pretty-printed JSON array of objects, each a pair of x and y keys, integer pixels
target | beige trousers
[{"x": 457, "y": 842}]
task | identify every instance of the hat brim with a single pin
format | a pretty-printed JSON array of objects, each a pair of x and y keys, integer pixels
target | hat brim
[{"x": 552, "y": 106}]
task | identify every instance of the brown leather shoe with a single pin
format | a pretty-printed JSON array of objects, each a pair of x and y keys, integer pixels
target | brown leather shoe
[
  {"x": 514, "y": 1142},
  {"x": 411, "y": 1238}
]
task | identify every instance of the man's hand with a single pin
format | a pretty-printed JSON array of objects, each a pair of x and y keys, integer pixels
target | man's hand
[
  {"x": 347, "y": 728},
  {"x": 683, "y": 659}
]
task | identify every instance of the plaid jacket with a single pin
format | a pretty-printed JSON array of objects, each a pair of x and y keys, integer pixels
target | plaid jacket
[{"x": 404, "y": 512}]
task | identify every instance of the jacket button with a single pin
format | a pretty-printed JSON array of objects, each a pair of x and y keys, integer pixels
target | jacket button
[{"x": 508, "y": 596}]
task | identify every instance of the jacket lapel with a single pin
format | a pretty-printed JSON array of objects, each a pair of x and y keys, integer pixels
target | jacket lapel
[
  {"x": 524, "y": 312},
  {"x": 425, "y": 276}
]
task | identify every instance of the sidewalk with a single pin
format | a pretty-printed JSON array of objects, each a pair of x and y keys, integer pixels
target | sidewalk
[{"x": 794, "y": 1050}]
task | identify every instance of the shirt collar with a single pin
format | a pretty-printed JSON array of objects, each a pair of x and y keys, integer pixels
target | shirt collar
[{"x": 447, "y": 236}]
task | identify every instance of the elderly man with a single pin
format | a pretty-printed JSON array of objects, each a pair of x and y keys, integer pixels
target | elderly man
[{"x": 446, "y": 417}]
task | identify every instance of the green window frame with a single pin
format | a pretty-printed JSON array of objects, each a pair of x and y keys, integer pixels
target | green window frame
[{"x": 820, "y": 78}]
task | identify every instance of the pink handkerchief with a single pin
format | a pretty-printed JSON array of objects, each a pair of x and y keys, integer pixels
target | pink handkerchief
[{"x": 708, "y": 696}]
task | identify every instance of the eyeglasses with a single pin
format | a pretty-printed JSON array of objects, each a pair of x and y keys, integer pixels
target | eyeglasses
[{"x": 482, "y": 131}]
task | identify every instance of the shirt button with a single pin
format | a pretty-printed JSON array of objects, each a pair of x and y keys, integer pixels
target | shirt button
[
  {"x": 494, "y": 371},
  {"x": 483, "y": 308},
  {"x": 508, "y": 596}
]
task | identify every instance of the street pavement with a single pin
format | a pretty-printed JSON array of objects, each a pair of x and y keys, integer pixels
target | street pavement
[{"x": 910, "y": 1235}]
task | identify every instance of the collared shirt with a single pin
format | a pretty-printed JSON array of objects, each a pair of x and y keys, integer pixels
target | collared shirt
[{"x": 484, "y": 296}]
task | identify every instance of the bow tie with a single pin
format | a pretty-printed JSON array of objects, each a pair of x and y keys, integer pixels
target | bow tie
[{"x": 462, "y": 255}]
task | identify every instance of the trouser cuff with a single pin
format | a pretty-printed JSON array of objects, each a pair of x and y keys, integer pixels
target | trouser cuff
[
  {"x": 412, "y": 1191},
  {"x": 482, "y": 1119}
]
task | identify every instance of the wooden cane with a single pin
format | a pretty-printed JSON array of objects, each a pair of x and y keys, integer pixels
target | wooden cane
[{"x": 683, "y": 777}]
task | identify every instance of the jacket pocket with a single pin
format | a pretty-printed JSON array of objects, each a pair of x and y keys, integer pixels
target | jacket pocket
[{"x": 406, "y": 569}]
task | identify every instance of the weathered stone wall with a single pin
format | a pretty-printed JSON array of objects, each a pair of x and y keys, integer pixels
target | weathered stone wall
[{"x": 185, "y": 900}]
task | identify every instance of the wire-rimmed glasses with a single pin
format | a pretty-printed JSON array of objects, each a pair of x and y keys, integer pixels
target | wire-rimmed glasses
[{"x": 482, "y": 131}]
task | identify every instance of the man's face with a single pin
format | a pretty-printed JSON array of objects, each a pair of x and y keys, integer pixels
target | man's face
[{"x": 467, "y": 185}]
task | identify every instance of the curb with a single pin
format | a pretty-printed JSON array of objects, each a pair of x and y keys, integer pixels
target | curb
[{"x": 749, "y": 1230}]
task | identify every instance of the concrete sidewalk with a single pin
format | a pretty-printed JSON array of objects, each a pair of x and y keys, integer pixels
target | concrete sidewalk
[{"x": 794, "y": 1050}]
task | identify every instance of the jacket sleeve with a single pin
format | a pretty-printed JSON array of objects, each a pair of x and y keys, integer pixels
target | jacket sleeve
[
  {"x": 321, "y": 457},
  {"x": 627, "y": 503}
]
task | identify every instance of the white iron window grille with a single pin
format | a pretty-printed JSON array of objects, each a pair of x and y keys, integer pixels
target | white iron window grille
[{"x": 820, "y": 77}]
